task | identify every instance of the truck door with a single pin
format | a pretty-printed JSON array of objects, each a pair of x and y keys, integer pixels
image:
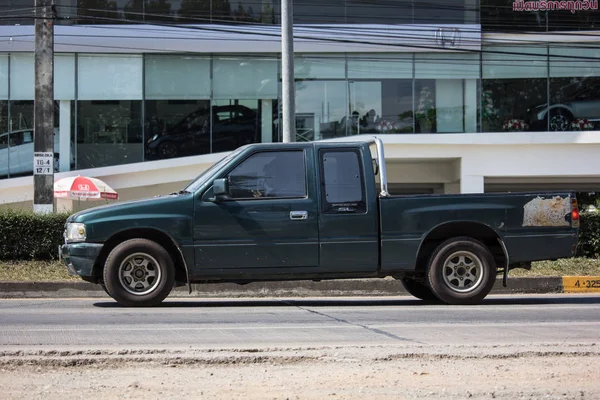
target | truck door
[
  {"x": 348, "y": 222},
  {"x": 269, "y": 220}
]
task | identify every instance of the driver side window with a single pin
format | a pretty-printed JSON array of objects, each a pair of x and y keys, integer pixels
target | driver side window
[{"x": 273, "y": 174}]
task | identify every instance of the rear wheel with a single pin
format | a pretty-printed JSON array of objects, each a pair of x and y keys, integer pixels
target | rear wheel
[
  {"x": 418, "y": 289},
  {"x": 461, "y": 271},
  {"x": 139, "y": 273}
]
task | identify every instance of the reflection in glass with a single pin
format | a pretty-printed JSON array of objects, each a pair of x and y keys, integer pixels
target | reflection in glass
[
  {"x": 106, "y": 11},
  {"x": 4, "y": 149},
  {"x": 514, "y": 88},
  {"x": 580, "y": 20},
  {"x": 425, "y": 106},
  {"x": 16, "y": 138},
  {"x": 17, "y": 12},
  {"x": 235, "y": 123},
  {"x": 574, "y": 88},
  {"x": 321, "y": 109},
  {"x": 383, "y": 11},
  {"x": 270, "y": 174},
  {"x": 508, "y": 104},
  {"x": 109, "y": 132},
  {"x": 382, "y": 106},
  {"x": 176, "y": 128},
  {"x": 498, "y": 16},
  {"x": 316, "y": 12},
  {"x": 194, "y": 11},
  {"x": 574, "y": 103},
  {"x": 159, "y": 10},
  {"x": 444, "y": 12},
  {"x": 20, "y": 12},
  {"x": 240, "y": 11}
]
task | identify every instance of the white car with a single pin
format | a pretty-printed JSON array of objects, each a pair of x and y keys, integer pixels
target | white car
[{"x": 18, "y": 154}]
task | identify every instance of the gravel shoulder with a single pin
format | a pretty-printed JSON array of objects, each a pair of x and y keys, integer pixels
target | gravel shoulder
[{"x": 545, "y": 371}]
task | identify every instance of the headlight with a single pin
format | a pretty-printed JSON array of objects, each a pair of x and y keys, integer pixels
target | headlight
[
  {"x": 153, "y": 138},
  {"x": 75, "y": 232}
]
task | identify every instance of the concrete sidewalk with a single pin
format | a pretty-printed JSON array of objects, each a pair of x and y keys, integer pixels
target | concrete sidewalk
[{"x": 331, "y": 288}]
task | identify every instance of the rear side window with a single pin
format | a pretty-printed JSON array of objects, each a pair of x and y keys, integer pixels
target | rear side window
[{"x": 342, "y": 182}]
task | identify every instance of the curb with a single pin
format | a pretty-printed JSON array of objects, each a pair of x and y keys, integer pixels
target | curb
[{"x": 330, "y": 288}]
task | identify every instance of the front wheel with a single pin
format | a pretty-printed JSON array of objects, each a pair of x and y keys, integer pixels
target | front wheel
[
  {"x": 167, "y": 150},
  {"x": 461, "y": 271},
  {"x": 139, "y": 273},
  {"x": 560, "y": 120}
]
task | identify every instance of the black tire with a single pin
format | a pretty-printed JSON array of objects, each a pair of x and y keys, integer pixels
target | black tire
[
  {"x": 167, "y": 150},
  {"x": 461, "y": 271},
  {"x": 419, "y": 290},
  {"x": 103, "y": 286},
  {"x": 143, "y": 259},
  {"x": 560, "y": 120}
]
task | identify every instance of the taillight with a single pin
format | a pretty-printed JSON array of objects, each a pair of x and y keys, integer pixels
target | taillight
[{"x": 574, "y": 213}]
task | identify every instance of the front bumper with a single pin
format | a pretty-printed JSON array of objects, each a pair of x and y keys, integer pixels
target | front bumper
[{"x": 80, "y": 258}]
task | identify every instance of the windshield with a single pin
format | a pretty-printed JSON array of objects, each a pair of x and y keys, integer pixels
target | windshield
[{"x": 200, "y": 179}]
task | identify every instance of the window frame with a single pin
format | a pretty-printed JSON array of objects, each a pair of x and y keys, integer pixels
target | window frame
[
  {"x": 328, "y": 208},
  {"x": 226, "y": 174}
]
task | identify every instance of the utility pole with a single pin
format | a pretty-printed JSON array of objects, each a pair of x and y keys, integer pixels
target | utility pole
[
  {"x": 287, "y": 71},
  {"x": 43, "y": 109}
]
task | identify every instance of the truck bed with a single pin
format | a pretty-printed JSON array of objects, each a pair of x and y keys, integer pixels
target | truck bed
[{"x": 531, "y": 226}]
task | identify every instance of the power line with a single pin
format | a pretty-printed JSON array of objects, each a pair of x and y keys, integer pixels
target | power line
[
  {"x": 310, "y": 38},
  {"x": 347, "y": 41}
]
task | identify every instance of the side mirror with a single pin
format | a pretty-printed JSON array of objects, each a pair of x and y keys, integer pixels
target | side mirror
[{"x": 220, "y": 189}]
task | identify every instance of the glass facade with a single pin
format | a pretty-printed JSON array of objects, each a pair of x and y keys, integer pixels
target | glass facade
[
  {"x": 120, "y": 109},
  {"x": 89, "y": 12},
  {"x": 542, "y": 88},
  {"x": 109, "y": 110},
  {"x": 117, "y": 109}
]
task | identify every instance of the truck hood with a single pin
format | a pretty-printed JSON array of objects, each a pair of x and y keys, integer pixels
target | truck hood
[{"x": 156, "y": 205}]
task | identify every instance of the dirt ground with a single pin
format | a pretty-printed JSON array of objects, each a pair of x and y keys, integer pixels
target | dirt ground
[{"x": 556, "y": 372}]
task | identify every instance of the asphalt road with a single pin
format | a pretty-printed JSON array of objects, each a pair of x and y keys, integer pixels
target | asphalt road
[{"x": 247, "y": 323}]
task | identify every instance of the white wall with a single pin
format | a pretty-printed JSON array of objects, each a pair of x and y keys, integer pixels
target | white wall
[{"x": 458, "y": 162}]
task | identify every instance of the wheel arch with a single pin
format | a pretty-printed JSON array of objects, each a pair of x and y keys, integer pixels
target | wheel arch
[
  {"x": 475, "y": 230},
  {"x": 558, "y": 107},
  {"x": 153, "y": 234}
]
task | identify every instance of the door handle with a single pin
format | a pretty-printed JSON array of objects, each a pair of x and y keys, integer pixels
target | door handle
[{"x": 298, "y": 215}]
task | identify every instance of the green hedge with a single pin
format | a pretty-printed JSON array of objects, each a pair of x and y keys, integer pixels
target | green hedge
[
  {"x": 28, "y": 236},
  {"x": 589, "y": 236}
]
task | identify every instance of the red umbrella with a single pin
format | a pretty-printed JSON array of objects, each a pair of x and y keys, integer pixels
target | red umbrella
[{"x": 82, "y": 187}]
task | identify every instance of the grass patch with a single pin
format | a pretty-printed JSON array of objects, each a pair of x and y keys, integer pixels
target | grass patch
[
  {"x": 56, "y": 271},
  {"x": 34, "y": 271},
  {"x": 563, "y": 267}
]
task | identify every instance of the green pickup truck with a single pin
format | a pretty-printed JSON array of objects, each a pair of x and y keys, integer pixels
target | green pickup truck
[{"x": 315, "y": 211}]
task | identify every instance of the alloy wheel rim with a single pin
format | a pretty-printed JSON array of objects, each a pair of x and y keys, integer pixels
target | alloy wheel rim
[
  {"x": 559, "y": 123},
  {"x": 139, "y": 274},
  {"x": 463, "y": 271}
]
